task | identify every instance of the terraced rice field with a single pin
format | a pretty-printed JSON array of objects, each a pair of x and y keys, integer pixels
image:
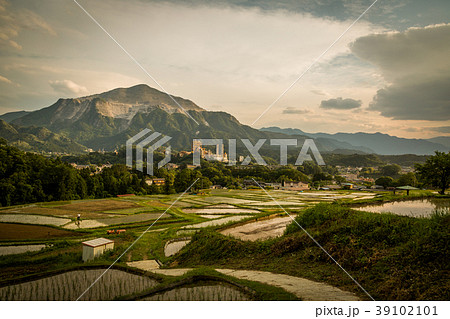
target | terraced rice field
[
  {"x": 260, "y": 230},
  {"x": 128, "y": 219},
  {"x": 98, "y": 205},
  {"x": 52, "y": 211},
  {"x": 12, "y": 250},
  {"x": 216, "y": 222},
  {"x": 200, "y": 293},
  {"x": 33, "y": 219},
  {"x": 70, "y": 285},
  {"x": 220, "y": 211},
  {"x": 227, "y": 200},
  {"x": 273, "y": 203},
  {"x": 22, "y": 232},
  {"x": 172, "y": 248},
  {"x": 211, "y": 216}
]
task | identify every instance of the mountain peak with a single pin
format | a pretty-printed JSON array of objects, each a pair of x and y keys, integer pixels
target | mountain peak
[
  {"x": 144, "y": 95},
  {"x": 120, "y": 103}
]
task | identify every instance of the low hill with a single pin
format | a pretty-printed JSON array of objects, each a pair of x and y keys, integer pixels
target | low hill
[{"x": 38, "y": 139}]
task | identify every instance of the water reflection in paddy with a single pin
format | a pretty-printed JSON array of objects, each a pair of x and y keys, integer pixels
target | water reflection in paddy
[{"x": 413, "y": 208}]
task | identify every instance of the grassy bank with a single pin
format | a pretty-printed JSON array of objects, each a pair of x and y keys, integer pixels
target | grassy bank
[{"x": 392, "y": 257}]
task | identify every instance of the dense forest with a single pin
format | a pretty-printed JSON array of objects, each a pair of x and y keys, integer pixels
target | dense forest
[
  {"x": 27, "y": 177},
  {"x": 334, "y": 159}
]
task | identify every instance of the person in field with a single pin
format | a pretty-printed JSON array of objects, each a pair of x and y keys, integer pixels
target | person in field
[{"x": 78, "y": 220}]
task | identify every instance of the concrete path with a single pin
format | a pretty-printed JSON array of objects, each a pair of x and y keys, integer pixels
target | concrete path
[
  {"x": 302, "y": 288},
  {"x": 305, "y": 289}
]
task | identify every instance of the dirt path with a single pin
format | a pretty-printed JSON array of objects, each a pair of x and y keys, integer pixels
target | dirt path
[{"x": 302, "y": 288}]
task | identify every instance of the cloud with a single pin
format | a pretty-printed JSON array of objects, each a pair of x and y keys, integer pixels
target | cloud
[
  {"x": 294, "y": 110},
  {"x": 3, "y": 79},
  {"x": 340, "y": 104},
  {"x": 13, "y": 21},
  {"x": 415, "y": 63},
  {"x": 318, "y": 92},
  {"x": 68, "y": 87},
  {"x": 440, "y": 129},
  {"x": 428, "y": 99}
]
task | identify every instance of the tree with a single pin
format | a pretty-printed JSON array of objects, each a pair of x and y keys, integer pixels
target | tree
[
  {"x": 322, "y": 177},
  {"x": 384, "y": 181},
  {"x": 407, "y": 179},
  {"x": 436, "y": 171},
  {"x": 340, "y": 179},
  {"x": 391, "y": 170}
]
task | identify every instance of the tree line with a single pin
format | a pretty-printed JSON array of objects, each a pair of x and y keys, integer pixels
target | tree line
[{"x": 27, "y": 177}]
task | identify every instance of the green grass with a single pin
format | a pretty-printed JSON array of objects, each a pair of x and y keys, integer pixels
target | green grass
[{"x": 393, "y": 257}]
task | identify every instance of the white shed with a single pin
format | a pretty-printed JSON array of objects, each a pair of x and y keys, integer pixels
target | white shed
[{"x": 96, "y": 247}]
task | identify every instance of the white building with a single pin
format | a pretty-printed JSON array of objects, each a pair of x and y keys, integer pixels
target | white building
[{"x": 96, "y": 247}]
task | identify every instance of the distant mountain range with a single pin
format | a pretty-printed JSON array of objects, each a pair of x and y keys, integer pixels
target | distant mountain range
[
  {"x": 379, "y": 143},
  {"x": 107, "y": 120}
]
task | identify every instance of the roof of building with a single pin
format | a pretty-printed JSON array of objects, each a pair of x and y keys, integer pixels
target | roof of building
[
  {"x": 97, "y": 242},
  {"x": 407, "y": 187}
]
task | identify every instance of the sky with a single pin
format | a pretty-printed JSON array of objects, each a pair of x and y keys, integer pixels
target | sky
[{"x": 388, "y": 73}]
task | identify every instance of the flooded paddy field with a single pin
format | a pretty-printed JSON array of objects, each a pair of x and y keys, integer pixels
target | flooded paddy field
[
  {"x": 216, "y": 222},
  {"x": 98, "y": 205},
  {"x": 33, "y": 219},
  {"x": 260, "y": 230},
  {"x": 412, "y": 208},
  {"x": 70, "y": 285},
  {"x": 128, "y": 219},
  {"x": 87, "y": 208},
  {"x": 200, "y": 293},
  {"x": 173, "y": 247},
  {"x": 220, "y": 211},
  {"x": 52, "y": 211},
  {"x": 13, "y": 250}
]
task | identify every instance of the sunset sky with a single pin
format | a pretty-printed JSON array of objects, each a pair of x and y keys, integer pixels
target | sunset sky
[{"x": 389, "y": 73}]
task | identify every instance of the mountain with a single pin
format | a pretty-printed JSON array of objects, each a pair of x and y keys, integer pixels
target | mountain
[
  {"x": 38, "y": 139},
  {"x": 444, "y": 140},
  {"x": 382, "y": 144},
  {"x": 107, "y": 120},
  {"x": 11, "y": 116},
  {"x": 334, "y": 145}
]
